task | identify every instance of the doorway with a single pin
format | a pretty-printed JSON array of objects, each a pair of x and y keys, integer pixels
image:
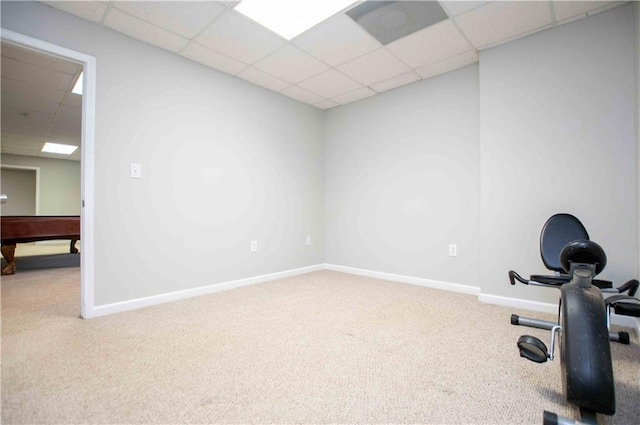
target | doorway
[
  {"x": 88, "y": 65},
  {"x": 21, "y": 186}
]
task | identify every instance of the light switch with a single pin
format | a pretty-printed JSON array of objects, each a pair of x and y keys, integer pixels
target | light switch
[{"x": 136, "y": 171}]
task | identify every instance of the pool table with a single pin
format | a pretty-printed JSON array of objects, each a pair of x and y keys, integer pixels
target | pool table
[{"x": 23, "y": 229}]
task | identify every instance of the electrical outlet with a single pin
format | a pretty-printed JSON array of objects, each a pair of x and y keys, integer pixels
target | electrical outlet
[
  {"x": 308, "y": 240},
  {"x": 254, "y": 246},
  {"x": 453, "y": 250}
]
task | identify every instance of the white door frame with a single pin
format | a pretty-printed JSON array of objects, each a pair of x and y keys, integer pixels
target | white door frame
[{"x": 87, "y": 304}]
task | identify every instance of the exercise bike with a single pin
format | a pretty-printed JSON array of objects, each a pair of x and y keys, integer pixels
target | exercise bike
[
  {"x": 557, "y": 231},
  {"x": 583, "y": 317},
  {"x": 585, "y": 352}
]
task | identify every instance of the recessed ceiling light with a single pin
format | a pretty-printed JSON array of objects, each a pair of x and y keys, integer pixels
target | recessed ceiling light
[
  {"x": 58, "y": 148},
  {"x": 77, "y": 87},
  {"x": 289, "y": 18}
]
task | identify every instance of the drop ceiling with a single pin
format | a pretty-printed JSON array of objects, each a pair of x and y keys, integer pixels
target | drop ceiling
[
  {"x": 337, "y": 61},
  {"x": 334, "y": 63},
  {"x": 37, "y": 103}
]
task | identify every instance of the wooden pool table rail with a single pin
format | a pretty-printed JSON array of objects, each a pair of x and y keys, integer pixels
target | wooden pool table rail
[{"x": 24, "y": 229}]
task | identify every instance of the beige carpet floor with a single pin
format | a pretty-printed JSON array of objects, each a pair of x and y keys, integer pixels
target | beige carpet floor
[{"x": 325, "y": 347}]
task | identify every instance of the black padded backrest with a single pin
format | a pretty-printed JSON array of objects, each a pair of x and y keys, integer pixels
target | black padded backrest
[{"x": 558, "y": 231}]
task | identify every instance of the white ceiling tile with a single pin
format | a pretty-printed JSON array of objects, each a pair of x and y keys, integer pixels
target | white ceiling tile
[
  {"x": 432, "y": 44},
  {"x": 25, "y": 127},
  {"x": 17, "y": 140},
  {"x": 10, "y": 142},
  {"x": 337, "y": 40},
  {"x": 12, "y": 113},
  {"x": 497, "y": 22},
  {"x": 32, "y": 106},
  {"x": 240, "y": 38},
  {"x": 25, "y": 150},
  {"x": 291, "y": 64},
  {"x": 454, "y": 8},
  {"x": 52, "y": 155},
  {"x": 173, "y": 15},
  {"x": 90, "y": 10},
  {"x": 67, "y": 135},
  {"x": 302, "y": 95},
  {"x": 208, "y": 57},
  {"x": 448, "y": 64},
  {"x": 353, "y": 96},
  {"x": 570, "y": 10},
  {"x": 33, "y": 74},
  {"x": 395, "y": 82},
  {"x": 40, "y": 59},
  {"x": 329, "y": 84},
  {"x": 326, "y": 104},
  {"x": 69, "y": 115},
  {"x": 76, "y": 156},
  {"x": 20, "y": 151},
  {"x": 31, "y": 91},
  {"x": 373, "y": 67},
  {"x": 144, "y": 31},
  {"x": 72, "y": 99},
  {"x": 263, "y": 79}
]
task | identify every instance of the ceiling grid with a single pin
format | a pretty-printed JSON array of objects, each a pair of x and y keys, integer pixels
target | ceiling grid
[{"x": 334, "y": 63}]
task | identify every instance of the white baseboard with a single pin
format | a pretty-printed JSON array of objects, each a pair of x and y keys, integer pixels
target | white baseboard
[
  {"x": 519, "y": 303},
  {"x": 119, "y": 307},
  {"x": 429, "y": 283},
  {"x": 625, "y": 321},
  {"x": 122, "y": 306}
]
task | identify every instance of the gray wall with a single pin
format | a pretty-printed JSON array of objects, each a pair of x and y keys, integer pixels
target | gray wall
[
  {"x": 483, "y": 159},
  {"x": 223, "y": 163},
  {"x": 557, "y": 135},
  {"x": 20, "y": 188},
  {"x": 59, "y": 183},
  {"x": 401, "y": 180},
  {"x": 479, "y": 157}
]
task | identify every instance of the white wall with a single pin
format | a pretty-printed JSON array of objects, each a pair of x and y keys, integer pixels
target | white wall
[
  {"x": 223, "y": 163},
  {"x": 557, "y": 135},
  {"x": 59, "y": 183},
  {"x": 402, "y": 180}
]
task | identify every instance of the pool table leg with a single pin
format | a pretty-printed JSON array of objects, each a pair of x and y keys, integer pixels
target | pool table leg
[
  {"x": 9, "y": 252},
  {"x": 72, "y": 246}
]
